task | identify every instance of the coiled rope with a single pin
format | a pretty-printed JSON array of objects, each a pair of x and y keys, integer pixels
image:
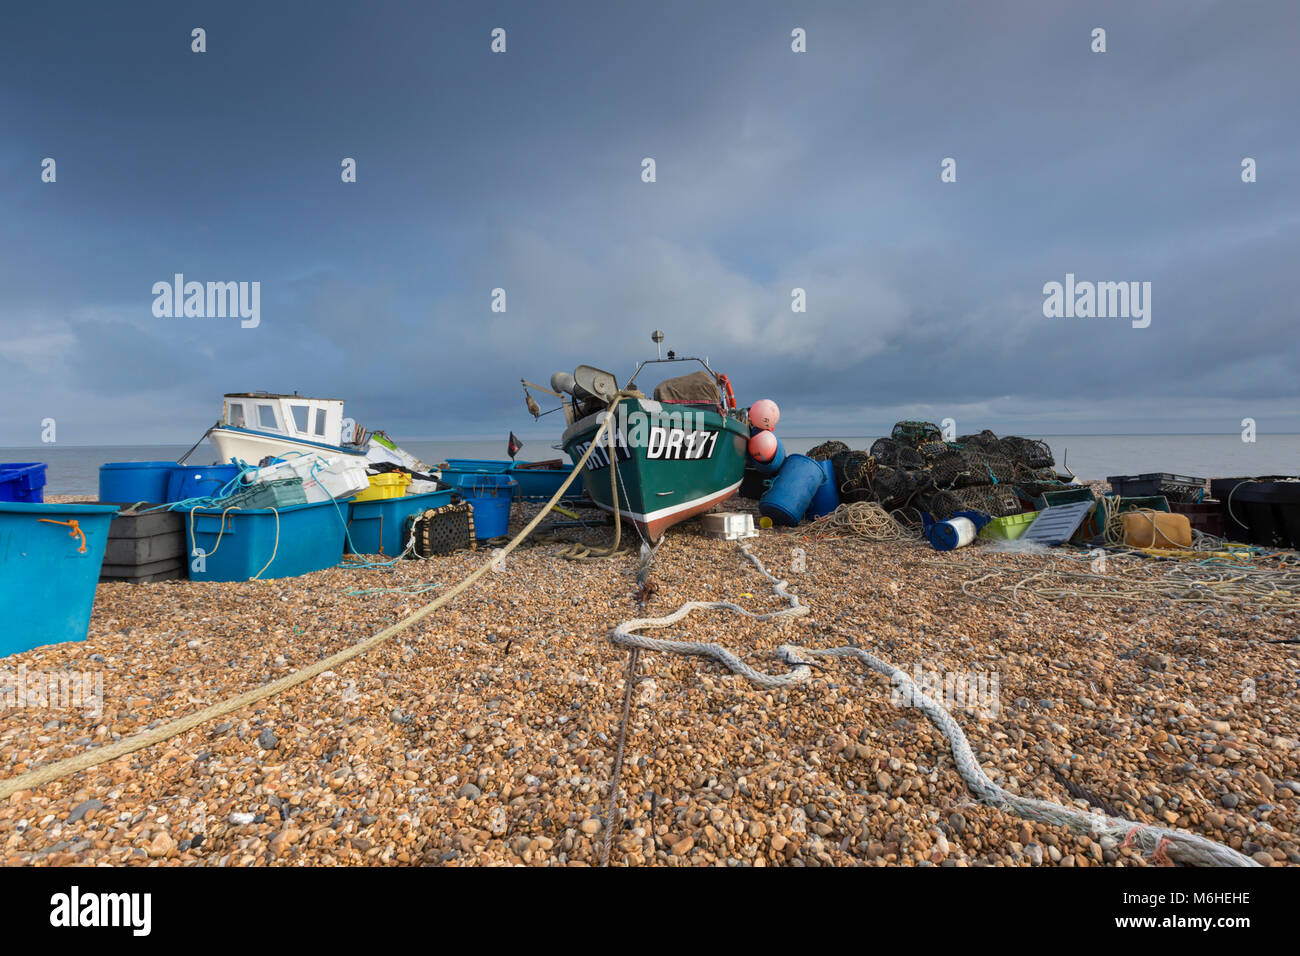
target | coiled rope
[
  {"x": 1179, "y": 845},
  {"x": 120, "y": 748},
  {"x": 867, "y": 520}
]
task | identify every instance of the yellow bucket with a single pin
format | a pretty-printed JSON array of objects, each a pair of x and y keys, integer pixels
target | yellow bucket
[{"x": 391, "y": 485}]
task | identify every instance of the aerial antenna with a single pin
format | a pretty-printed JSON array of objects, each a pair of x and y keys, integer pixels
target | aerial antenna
[{"x": 657, "y": 338}]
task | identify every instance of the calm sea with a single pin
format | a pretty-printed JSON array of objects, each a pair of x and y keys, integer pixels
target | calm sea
[{"x": 74, "y": 469}]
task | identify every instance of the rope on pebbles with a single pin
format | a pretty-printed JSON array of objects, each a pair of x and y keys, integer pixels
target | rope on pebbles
[{"x": 1179, "y": 845}]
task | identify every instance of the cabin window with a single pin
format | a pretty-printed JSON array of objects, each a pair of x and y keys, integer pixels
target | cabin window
[
  {"x": 235, "y": 414},
  {"x": 266, "y": 417},
  {"x": 320, "y": 422},
  {"x": 301, "y": 414}
]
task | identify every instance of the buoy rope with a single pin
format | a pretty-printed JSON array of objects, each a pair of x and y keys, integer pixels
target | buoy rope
[{"x": 1179, "y": 845}]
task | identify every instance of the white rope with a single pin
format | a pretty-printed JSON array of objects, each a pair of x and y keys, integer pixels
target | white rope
[{"x": 1178, "y": 845}]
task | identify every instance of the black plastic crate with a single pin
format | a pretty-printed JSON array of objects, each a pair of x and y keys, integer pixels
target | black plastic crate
[{"x": 1172, "y": 487}]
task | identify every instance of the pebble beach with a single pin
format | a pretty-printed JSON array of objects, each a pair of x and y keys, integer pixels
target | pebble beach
[{"x": 486, "y": 733}]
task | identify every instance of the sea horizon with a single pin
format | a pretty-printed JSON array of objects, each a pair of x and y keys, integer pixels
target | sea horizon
[{"x": 73, "y": 467}]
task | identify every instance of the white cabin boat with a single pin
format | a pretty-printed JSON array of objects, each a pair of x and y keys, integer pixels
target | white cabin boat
[{"x": 255, "y": 425}]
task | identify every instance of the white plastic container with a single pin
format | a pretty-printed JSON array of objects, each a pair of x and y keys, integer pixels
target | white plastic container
[
  {"x": 729, "y": 525},
  {"x": 323, "y": 476}
]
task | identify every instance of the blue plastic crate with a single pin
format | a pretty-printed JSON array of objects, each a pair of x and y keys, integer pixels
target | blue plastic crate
[
  {"x": 22, "y": 481},
  {"x": 295, "y": 540},
  {"x": 375, "y": 527}
]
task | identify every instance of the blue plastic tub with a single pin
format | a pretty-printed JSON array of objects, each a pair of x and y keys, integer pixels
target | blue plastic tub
[
  {"x": 827, "y": 497},
  {"x": 535, "y": 484},
  {"x": 199, "y": 481},
  {"x": 792, "y": 491},
  {"x": 480, "y": 465},
  {"x": 131, "y": 481},
  {"x": 491, "y": 496},
  {"x": 375, "y": 527},
  {"x": 22, "y": 481},
  {"x": 773, "y": 466},
  {"x": 47, "y": 582},
  {"x": 303, "y": 538}
]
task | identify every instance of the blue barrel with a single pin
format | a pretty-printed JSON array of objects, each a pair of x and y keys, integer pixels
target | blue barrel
[
  {"x": 491, "y": 496},
  {"x": 773, "y": 466},
  {"x": 827, "y": 498},
  {"x": 199, "y": 481},
  {"x": 49, "y": 566},
  {"x": 130, "y": 481},
  {"x": 792, "y": 491}
]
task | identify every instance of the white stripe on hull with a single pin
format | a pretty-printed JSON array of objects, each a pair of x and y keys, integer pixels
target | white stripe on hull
[{"x": 662, "y": 516}]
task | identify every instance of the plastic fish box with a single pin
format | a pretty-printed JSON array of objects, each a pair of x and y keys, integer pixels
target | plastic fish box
[
  {"x": 1180, "y": 487},
  {"x": 375, "y": 527},
  {"x": 145, "y": 546},
  {"x": 22, "y": 481},
  {"x": 1008, "y": 528},
  {"x": 729, "y": 525},
  {"x": 263, "y": 542}
]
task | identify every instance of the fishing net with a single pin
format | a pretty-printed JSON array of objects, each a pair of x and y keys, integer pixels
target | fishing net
[{"x": 827, "y": 450}]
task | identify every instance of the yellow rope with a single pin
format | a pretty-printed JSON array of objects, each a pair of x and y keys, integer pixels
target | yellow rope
[{"x": 93, "y": 758}]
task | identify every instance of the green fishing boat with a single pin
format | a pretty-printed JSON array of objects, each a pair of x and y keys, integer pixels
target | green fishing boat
[{"x": 674, "y": 456}]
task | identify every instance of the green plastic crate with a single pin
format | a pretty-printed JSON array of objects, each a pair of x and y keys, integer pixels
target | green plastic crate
[
  {"x": 1008, "y": 528},
  {"x": 278, "y": 493}
]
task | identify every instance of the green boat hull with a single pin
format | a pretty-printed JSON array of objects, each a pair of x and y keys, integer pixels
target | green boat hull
[{"x": 672, "y": 462}]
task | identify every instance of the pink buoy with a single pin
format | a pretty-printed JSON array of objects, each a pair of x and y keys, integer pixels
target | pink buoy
[
  {"x": 763, "y": 446},
  {"x": 764, "y": 414}
]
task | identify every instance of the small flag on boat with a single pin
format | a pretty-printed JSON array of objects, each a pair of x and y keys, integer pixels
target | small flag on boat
[{"x": 513, "y": 446}]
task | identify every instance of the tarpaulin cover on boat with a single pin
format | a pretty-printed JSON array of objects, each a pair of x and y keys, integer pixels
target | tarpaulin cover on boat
[{"x": 698, "y": 388}]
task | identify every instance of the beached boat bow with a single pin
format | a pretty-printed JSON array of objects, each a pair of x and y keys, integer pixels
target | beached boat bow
[{"x": 676, "y": 455}]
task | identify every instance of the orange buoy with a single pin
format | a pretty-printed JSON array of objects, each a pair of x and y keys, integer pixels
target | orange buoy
[
  {"x": 763, "y": 446},
  {"x": 764, "y": 414}
]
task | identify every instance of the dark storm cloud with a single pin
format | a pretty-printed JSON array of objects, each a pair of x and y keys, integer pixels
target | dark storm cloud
[{"x": 775, "y": 170}]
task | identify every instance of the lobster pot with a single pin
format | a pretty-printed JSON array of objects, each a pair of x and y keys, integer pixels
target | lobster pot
[
  {"x": 444, "y": 530},
  {"x": 827, "y": 498},
  {"x": 792, "y": 491}
]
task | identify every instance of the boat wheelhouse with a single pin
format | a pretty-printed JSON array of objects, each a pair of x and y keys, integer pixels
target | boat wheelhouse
[{"x": 255, "y": 425}]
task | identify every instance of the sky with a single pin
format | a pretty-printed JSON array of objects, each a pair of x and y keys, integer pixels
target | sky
[{"x": 775, "y": 170}]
